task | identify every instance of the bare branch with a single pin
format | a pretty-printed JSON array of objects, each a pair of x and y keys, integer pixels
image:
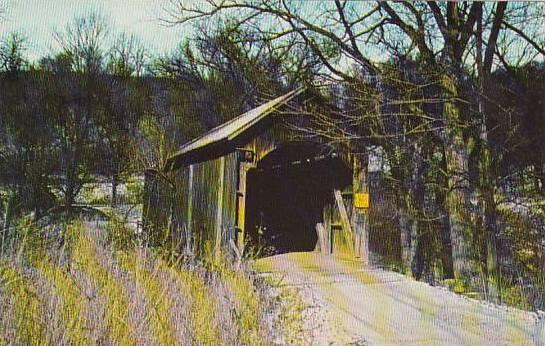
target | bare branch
[
  {"x": 525, "y": 37},
  {"x": 415, "y": 35},
  {"x": 297, "y": 23},
  {"x": 439, "y": 19},
  {"x": 493, "y": 37},
  {"x": 347, "y": 27},
  {"x": 467, "y": 28}
]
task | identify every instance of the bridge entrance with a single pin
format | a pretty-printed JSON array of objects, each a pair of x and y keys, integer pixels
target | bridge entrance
[{"x": 287, "y": 196}]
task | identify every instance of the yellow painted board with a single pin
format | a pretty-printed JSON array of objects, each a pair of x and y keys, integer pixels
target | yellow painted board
[{"x": 361, "y": 200}]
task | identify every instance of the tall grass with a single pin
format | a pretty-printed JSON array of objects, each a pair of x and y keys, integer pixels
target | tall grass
[
  {"x": 201, "y": 309},
  {"x": 159, "y": 303},
  {"x": 20, "y": 323},
  {"x": 86, "y": 256},
  {"x": 72, "y": 304},
  {"x": 93, "y": 284}
]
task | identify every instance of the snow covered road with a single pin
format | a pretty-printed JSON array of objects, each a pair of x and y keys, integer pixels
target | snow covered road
[{"x": 354, "y": 305}]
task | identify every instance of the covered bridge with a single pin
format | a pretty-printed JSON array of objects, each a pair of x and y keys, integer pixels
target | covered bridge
[{"x": 253, "y": 184}]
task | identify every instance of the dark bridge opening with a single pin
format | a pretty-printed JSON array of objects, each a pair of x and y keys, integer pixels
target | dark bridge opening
[{"x": 286, "y": 196}]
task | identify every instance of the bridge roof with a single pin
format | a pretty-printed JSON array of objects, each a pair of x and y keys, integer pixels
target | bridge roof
[{"x": 197, "y": 149}]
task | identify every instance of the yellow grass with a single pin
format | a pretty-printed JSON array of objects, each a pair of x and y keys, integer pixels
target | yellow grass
[
  {"x": 202, "y": 304},
  {"x": 116, "y": 300},
  {"x": 159, "y": 303},
  {"x": 81, "y": 293},
  {"x": 73, "y": 303},
  {"x": 26, "y": 308}
]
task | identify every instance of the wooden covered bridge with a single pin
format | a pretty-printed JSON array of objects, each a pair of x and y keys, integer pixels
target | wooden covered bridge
[{"x": 253, "y": 183}]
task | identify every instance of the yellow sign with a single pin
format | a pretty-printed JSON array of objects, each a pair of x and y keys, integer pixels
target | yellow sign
[{"x": 361, "y": 200}]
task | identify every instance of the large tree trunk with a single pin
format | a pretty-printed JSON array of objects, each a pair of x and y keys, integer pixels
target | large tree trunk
[
  {"x": 458, "y": 205},
  {"x": 457, "y": 201},
  {"x": 409, "y": 233},
  {"x": 404, "y": 205},
  {"x": 446, "y": 245},
  {"x": 487, "y": 181},
  {"x": 489, "y": 215},
  {"x": 420, "y": 159},
  {"x": 410, "y": 204},
  {"x": 115, "y": 183},
  {"x": 417, "y": 265},
  {"x": 405, "y": 238},
  {"x": 70, "y": 188}
]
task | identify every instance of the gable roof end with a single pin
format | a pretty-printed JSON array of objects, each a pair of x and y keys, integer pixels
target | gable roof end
[{"x": 194, "y": 150}]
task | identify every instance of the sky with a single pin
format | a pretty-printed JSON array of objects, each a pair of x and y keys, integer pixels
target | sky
[{"x": 38, "y": 19}]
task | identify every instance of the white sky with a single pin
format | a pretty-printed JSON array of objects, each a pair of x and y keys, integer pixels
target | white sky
[{"x": 37, "y": 20}]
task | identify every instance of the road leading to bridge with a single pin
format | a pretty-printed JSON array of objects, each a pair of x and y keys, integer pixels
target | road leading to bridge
[{"x": 355, "y": 305}]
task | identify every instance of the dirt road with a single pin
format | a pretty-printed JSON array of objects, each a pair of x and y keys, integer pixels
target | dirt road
[{"x": 354, "y": 305}]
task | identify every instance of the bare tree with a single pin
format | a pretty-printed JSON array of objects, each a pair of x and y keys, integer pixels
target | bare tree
[
  {"x": 84, "y": 41},
  {"x": 345, "y": 35},
  {"x": 126, "y": 59},
  {"x": 83, "y": 45},
  {"x": 12, "y": 50},
  {"x": 127, "y": 56}
]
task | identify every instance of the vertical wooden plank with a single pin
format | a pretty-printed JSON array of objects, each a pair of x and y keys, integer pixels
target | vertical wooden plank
[
  {"x": 345, "y": 220},
  {"x": 229, "y": 198},
  {"x": 322, "y": 238},
  {"x": 326, "y": 217},
  {"x": 330, "y": 228},
  {"x": 219, "y": 206},
  {"x": 190, "y": 202},
  {"x": 241, "y": 204},
  {"x": 360, "y": 217},
  {"x": 179, "y": 207}
]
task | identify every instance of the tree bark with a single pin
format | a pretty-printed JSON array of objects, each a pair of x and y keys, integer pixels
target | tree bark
[
  {"x": 70, "y": 188},
  {"x": 115, "y": 182},
  {"x": 417, "y": 201},
  {"x": 457, "y": 200},
  {"x": 405, "y": 239},
  {"x": 487, "y": 181}
]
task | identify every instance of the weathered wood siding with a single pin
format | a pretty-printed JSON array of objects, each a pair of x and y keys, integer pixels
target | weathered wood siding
[
  {"x": 195, "y": 210},
  {"x": 179, "y": 230},
  {"x": 208, "y": 209},
  {"x": 270, "y": 139},
  {"x": 156, "y": 206}
]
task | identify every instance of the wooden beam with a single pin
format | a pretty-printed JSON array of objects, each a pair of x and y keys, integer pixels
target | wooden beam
[
  {"x": 190, "y": 201},
  {"x": 345, "y": 220},
  {"x": 219, "y": 205},
  {"x": 323, "y": 242},
  {"x": 243, "y": 168},
  {"x": 327, "y": 220}
]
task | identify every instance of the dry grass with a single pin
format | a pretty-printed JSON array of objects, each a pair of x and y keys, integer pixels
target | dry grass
[
  {"x": 20, "y": 323},
  {"x": 85, "y": 291},
  {"x": 69, "y": 302}
]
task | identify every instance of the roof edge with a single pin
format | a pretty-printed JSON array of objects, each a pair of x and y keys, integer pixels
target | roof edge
[{"x": 262, "y": 111}]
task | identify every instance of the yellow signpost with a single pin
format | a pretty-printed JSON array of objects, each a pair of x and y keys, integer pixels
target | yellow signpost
[{"x": 361, "y": 200}]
